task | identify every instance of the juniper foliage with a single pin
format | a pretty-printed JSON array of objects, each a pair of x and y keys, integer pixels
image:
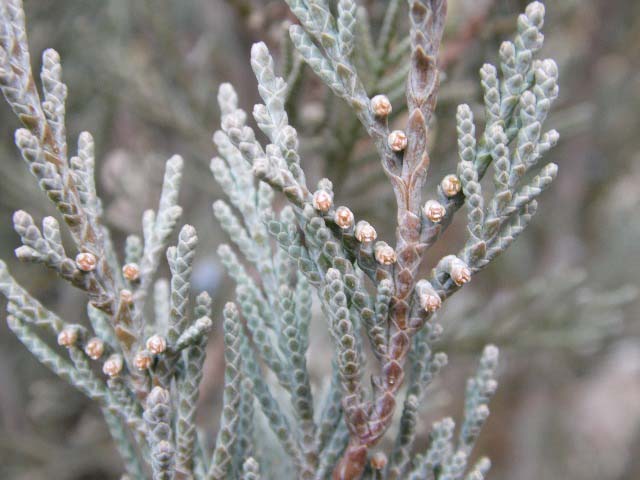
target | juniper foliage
[{"x": 311, "y": 252}]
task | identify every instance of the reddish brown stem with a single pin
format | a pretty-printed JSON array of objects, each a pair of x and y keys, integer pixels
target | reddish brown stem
[{"x": 427, "y": 23}]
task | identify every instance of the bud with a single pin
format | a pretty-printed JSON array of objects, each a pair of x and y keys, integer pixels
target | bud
[
  {"x": 158, "y": 395},
  {"x": 68, "y": 337},
  {"x": 451, "y": 185},
  {"x": 397, "y": 140},
  {"x": 427, "y": 296},
  {"x": 156, "y": 344},
  {"x": 434, "y": 210},
  {"x": 385, "y": 254},
  {"x": 365, "y": 232},
  {"x": 430, "y": 302},
  {"x": 131, "y": 272},
  {"x": 381, "y": 106},
  {"x": 94, "y": 348},
  {"x": 343, "y": 217},
  {"x": 113, "y": 366},
  {"x": 142, "y": 360},
  {"x": 86, "y": 261},
  {"x": 322, "y": 200},
  {"x": 460, "y": 273},
  {"x": 126, "y": 296},
  {"x": 378, "y": 461}
]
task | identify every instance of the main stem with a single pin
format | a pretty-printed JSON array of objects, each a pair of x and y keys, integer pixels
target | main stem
[{"x": 427, "y": 23}]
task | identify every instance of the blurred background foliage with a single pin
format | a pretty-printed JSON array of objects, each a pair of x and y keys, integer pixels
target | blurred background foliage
[{"x": 562, "y": 304}]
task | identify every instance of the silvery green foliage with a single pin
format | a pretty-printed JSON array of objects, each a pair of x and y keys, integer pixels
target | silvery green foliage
[
  {"x": 447, "y": 455},
  {"x": 336, "y": 255},
  {"x": 157, "y": 416},
  {"x": 283, "y": 259}
]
